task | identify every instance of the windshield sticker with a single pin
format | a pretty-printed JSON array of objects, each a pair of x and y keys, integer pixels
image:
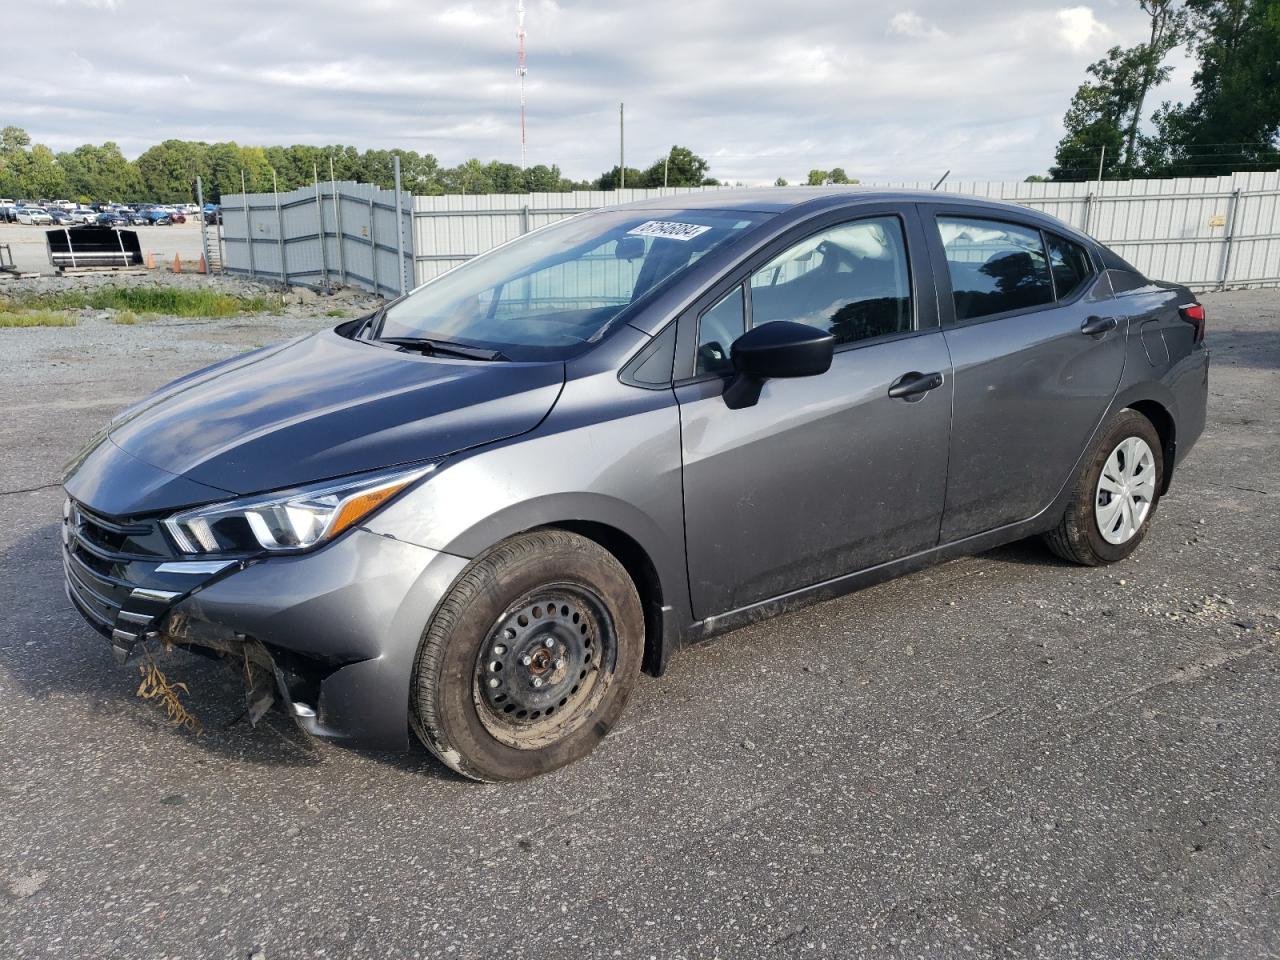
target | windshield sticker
[{"x": 668, "y": 229}]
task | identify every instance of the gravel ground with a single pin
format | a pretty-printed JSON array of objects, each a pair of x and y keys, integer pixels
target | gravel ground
[{"x": 1004, "y": 756}]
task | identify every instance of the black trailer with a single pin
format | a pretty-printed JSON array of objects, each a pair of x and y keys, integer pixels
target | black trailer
[{"x": 77, "y": 249}]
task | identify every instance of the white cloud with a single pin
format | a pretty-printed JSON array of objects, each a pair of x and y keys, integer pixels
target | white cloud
[
  {"x": 1079, "y": 29},
  {"x": 975, "y": 87},
  {"x": 908, "y": 23}
]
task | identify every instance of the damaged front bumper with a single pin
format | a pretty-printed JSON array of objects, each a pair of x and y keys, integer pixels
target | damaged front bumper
[{"x": 332, "y": 633}]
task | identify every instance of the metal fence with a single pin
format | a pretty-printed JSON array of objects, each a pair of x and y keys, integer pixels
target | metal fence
[
  {"x": 330, "y": 233},
  {"x": 1206, "y": 232}
]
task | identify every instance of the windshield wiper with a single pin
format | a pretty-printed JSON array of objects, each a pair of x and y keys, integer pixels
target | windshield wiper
[{"x": 442, "y": 348}]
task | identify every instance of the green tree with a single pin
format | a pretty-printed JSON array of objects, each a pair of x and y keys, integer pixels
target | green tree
[
  {"x": 102, "y": 173},
  {"x": 819, "y": 178},
  {"x": 1233, "y": 121},
  {"x": 167, "y": 172},
  {"x": 781, "y": 182},
  {"x": 1106, "y": 112}
]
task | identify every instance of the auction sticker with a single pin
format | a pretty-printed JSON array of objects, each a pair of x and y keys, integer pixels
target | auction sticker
[{"x": 668, "y": 229}]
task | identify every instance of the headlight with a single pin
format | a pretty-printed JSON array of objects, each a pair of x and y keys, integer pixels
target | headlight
[{"x": 290, "y": 520}]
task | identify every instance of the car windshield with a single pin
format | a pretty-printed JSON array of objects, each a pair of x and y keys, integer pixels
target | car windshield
[{"x": 546, "y": 294}]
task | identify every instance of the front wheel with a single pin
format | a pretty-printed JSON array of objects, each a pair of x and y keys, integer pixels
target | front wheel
[
  {"x": 1115, "y": 496},
  {"x": 530, "y": 659}
]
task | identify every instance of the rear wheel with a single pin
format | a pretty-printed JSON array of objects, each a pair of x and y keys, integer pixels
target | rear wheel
[
  {"x": 530, "y": 660},
  {"x": 1115, "y": 496}
]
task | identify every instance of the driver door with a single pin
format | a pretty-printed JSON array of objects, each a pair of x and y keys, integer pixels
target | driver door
[{"x": 825, "y": 475}]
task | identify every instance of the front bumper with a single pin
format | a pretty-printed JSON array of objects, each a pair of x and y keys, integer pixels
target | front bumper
[{"x": 340, "y": 625}]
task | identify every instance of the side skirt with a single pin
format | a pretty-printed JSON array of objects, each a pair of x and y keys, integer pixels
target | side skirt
[{"x": 848, "y": 583}]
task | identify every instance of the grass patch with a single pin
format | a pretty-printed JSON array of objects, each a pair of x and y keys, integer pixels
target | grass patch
[
  {"x": 335, "y": 313},
  {"x": 35, "y": 318},
  {"x": 126, "y": 318},
  {"x": 172, "y": 301}
]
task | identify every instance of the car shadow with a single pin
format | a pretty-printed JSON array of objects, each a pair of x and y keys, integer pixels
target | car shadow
[
  {"x": 1031, "y": 552},
  {"x": 52, "y": 654}
]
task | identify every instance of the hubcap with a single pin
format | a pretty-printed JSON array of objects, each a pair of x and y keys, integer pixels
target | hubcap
[
  {"x": 1126, "y": 490},
  {"x": 544, "y": 666}
]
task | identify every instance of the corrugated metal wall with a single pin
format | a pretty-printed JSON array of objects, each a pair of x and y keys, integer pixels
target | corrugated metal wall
[
  {"x": 1169, "y": 229},
  {"x": 1206, "y": 232},
  {"x": 343, "y": 233}
]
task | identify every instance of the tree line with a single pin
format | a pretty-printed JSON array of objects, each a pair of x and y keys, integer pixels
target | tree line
[
  {"x": 1232, "y": 122},
  {"x": 166, "y": 173}
]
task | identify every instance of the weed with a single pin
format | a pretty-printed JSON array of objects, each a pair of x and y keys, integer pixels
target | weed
[
  {"x": 173, "y": 301},
  {"x": 35, "y": 318},
  {"x": 126, "y": 318}
]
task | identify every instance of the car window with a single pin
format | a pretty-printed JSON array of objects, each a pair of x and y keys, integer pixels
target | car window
[
  {"x": 1070, "y": 265},
  {"x": 717, "y": 329},
  {"x": 995, "y": 267},
  {"x": 851, "y": 280}
]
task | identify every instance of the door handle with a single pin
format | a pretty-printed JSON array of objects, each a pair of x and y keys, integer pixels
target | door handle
[
  {"x": 911, "y": 385},
  {"x": 1097, "y": 326}
]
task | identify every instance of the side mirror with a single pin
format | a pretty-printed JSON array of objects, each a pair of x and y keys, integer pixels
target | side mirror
[{"x": 775, "y": 350}]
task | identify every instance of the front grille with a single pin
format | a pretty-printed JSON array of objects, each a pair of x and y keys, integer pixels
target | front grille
[{"x": 113, "y": 574}]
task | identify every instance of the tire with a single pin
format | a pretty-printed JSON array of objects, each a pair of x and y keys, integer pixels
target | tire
[
  {"x": 549, "y": 608},
  {"x": 1089, "y": 533}
]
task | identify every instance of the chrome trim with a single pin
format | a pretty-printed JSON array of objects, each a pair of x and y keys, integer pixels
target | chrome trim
[
  {"x": 194, "y": 566},
  {"x": 124, "y": 636},
  {"x": 142, "y": 618},
  {"x": 163, "y": 596}
]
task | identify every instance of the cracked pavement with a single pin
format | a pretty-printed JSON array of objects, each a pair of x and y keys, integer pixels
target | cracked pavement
[{"x": 1004, "y": 756}]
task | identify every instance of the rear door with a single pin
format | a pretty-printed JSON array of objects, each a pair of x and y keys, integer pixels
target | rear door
[
  {"x": 1038, "y": 350},
  {"x": 828, "y": 474}
]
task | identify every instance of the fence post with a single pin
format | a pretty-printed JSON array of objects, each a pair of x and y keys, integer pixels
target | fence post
[
  {"x": 324, "y": 254},
  {"x": 204, "y": 224},
  {"x": 248, "y": 226},
  {"x": 1231, "y": 230},
  {"x": 284, "y": 268},
  {"x": 1088, "y": 205},
  {"x": 337, "y": 227},
  {"x": 399, "y": 224},
  {"x": 524, "y": 219},
  {"x": 373, "y": 248}
]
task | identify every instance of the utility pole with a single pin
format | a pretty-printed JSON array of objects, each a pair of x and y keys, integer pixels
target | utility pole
[
  {"x": 622, "y": 144},
  {"x": 1101, "y": 159},
  {"x": 521, "y": 70},
  {"x": 666, "y": 168}
]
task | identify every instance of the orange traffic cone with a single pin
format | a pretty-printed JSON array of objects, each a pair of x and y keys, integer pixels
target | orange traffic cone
[
  {"x": 177, "y": 263},
  {"x": 151, "y": 261},
  {"x": 204, "y": 267}
]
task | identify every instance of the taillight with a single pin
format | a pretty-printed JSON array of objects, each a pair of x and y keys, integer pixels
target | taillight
[{"x": 1193, "y": 313}]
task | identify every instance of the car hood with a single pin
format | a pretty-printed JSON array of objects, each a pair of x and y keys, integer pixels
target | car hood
[{"x": 325, "y": 406}]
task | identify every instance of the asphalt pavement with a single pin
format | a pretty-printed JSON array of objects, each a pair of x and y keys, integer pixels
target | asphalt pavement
[{"x": 1005, "y": 756}]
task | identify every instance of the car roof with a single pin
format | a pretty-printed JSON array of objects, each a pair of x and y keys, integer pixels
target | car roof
[
  {"x": 783, "y": 199},
  {"x": 778, "y": 199}
]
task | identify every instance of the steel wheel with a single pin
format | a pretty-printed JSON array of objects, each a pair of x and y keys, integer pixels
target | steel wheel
[
  {"x": 545, "y": 665},
  {"x": 1126, "y": 490}
]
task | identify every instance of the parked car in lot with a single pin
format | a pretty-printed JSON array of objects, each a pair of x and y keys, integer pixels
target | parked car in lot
[
  {"x": 84, "y": 215},
  {"x": 479, "y": 512},
  {"x": 111, "y": 218},
  {"x": 62, "y": 217},
  {"x": 212, "y": 213},
  {"x": 34, "y": 216}
]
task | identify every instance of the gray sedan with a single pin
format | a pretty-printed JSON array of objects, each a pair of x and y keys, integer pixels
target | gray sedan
[{"x": 481, "y": 512}]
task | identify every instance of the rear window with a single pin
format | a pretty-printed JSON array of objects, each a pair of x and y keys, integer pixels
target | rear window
[{"x": 1071, "y": 266}]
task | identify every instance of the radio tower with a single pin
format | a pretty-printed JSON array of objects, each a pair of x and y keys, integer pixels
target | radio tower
[{"x": 521, "y": 70}]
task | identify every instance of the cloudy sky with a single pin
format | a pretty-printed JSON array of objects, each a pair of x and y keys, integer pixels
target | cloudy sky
[{"x": 889, "y": 89}]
